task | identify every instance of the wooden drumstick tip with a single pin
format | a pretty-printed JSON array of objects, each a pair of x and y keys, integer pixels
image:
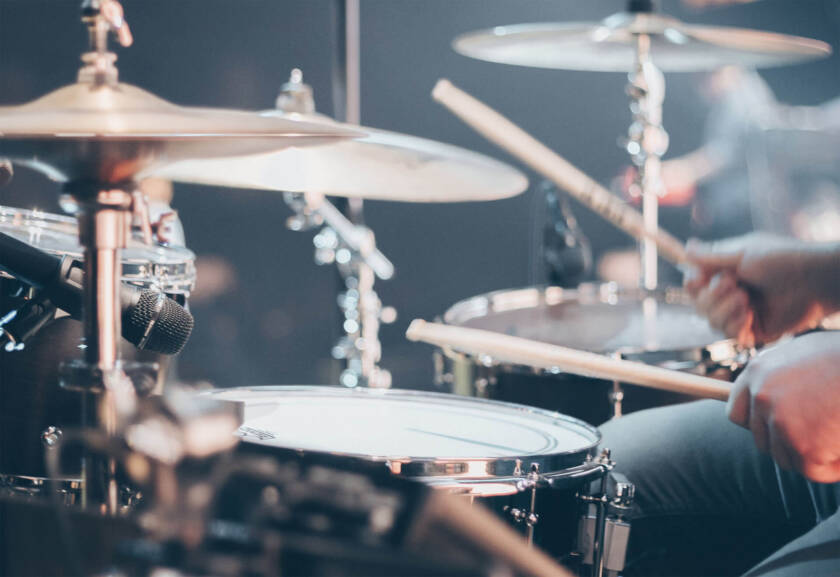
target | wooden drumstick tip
[
  {"x": 414, "y": 329},
  {"x": 442, "y": 86}
]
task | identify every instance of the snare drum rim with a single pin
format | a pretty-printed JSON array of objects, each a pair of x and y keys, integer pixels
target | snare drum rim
[
  {"x": 723, "y": 351},
  {"x": 500, "y": 469}
]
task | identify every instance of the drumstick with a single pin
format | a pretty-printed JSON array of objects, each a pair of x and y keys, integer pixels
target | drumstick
[
  {"x": 546, "y": 356},
  {"x": 507, "y": 135}
]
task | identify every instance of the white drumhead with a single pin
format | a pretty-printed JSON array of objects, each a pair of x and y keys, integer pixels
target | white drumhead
[{"x": 403, "y": 425}]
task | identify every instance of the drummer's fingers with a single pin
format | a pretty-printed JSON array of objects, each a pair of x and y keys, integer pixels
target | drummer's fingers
[
  {"x": 694, "y": 280},
  {"x": 821, "y": 472},
  {"x": 715, "y": 256},
  {"x": 729, "y": 313},
  {"x": 738, "y": 327},
  {"x": 738, "y": 405},
  {"x": 709, "y": 297}
]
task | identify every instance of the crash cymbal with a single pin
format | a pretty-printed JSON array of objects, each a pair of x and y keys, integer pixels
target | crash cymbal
[
  {"x": 110, "y": 132},
  {"x": 610, "y": 45},
  {"x": 382, "y": 165}
]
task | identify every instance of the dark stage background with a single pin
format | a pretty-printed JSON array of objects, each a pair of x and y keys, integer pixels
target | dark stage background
[{"x": 277, "y": 321}]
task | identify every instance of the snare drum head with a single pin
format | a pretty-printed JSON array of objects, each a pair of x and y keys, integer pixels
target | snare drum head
[
  {"x": 600, "y": 319},
  {"x": 453, "y": 435},
  {"x": 169, "y": 268}
]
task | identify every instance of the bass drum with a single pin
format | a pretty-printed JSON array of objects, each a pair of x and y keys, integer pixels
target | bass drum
[
  {"x": 33, "y": 407},
  {"x": 655, "y": 328}
]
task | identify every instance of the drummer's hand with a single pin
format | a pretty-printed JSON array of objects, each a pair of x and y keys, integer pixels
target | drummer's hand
[
  {"x": 789, "y": 397},
  {"x": 758, "y": 287}
]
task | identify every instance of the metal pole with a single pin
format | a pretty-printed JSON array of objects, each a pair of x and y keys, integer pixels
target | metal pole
[
  {"x": 646, "y": 144},
  {"x": 103, "y": 226}
]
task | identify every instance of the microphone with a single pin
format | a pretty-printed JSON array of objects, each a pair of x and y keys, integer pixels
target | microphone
[{"x": 150, "y": 320}]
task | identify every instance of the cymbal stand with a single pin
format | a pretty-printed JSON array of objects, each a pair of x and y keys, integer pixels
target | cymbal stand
[
  {"x": 646, "y": 143},
  {"x": 104, "y": 219},
  {"x": 352, "y": 247}
]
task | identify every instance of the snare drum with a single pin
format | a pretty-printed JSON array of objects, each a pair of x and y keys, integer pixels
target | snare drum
[
  {"x": 658, "y": 329},
  {"x": 33, "y": 408},
  {"x": 525, "y": 463}
]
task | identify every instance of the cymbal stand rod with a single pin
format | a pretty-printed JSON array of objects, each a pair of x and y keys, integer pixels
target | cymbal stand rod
[
  {"x": 360, "y": 348},
  {"x": 646, "y": 143},
  {"x": 352, "y": 247}
]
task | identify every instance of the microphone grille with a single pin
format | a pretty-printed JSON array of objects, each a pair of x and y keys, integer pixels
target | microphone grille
[{"x": 171, "y": 329}]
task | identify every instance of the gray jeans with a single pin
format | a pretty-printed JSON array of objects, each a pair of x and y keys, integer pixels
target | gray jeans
[{"x": 708, "y": 503}]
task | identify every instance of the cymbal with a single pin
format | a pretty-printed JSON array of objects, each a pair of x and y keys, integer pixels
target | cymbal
[
  {"x": 382, "y": 166},
  {"x": 610, "y": 45},
  {"x": 111, "y": 132}
]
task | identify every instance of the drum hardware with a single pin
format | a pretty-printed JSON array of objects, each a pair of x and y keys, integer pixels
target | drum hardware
[
  {"x": 529, "y": 517},
  {"x": 604, "y": 529},
  {"x": 352, "y": 248},
  {"x": 646, "y": 143},
  {"x": 51, "y": 436}
]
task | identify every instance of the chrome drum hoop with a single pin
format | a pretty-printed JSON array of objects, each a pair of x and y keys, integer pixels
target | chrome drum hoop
[
  {"x": 168, "y": 268},
  {"x": 704, "y": 358}
]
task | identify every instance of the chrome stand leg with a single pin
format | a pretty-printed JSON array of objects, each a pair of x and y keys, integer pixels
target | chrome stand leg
[{"x": 109, "y": 394}]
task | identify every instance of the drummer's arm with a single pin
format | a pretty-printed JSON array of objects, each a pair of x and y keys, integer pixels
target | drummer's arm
[{"x": 757, "y": 288}]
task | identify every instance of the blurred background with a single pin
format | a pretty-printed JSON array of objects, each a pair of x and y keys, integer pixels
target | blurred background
[{"x": 266, "y": 314}]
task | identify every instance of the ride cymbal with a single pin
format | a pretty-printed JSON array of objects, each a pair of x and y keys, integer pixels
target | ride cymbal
[{"x": 610, "y": 45}]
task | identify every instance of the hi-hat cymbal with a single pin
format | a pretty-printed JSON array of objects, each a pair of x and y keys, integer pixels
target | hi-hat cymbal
[
  {"x": 610, "y": 45},
  {"x": 111, "y": 132},
  {"x": 382, "y": 165}
]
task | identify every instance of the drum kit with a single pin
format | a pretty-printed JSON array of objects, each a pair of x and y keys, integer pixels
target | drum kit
[{"x": 359, "y": 478}]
